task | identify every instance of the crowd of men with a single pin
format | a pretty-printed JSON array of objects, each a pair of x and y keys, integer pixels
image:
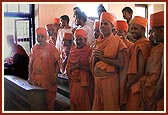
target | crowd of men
[{"x": 111, "y": 65}]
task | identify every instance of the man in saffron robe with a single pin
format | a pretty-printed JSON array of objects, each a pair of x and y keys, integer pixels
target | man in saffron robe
[
  {"x": 152, "y": 83},
  {"x": 43, "y": 67},
  {"x": 121, "y": 28},
  {"x": 96, "y": 32},
  {"x": 56, "y": 24},
  {"x": 106, "y": 60},
  {"x": 79, "y": 74},
  {"x": 51, "y": 33},
  {"x": 137, "y": 63},
  {"x": 18, "y": 61}
]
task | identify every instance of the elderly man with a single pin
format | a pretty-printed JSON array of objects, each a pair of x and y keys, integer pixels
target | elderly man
[
  {"x": 43, "y": 67},
  {"x": 139, "y": 55},
  {"x": 152, "y": 83},
  {"x": 19, "y": 59},
  {"x": 106, "y": 60},
  {"x": 79, "y": 74}
]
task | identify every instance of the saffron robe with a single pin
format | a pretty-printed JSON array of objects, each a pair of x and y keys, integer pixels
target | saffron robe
[
  {"x": 19, "y": 61},
  {"x": 106, "y": 95},
  {"x": 43, "y": 70},
  {"x": 143, "y": 45},
  {"x": 80, "y": 81},
  {"x": 52, "y": 40},
  {"x": 123, "y": 74},
  {"x": 149, "y": 81}
]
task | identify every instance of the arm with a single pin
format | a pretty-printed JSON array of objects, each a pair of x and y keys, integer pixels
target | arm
[
  {"x": 71, "y": 68},
  {"x": 159, "y": 87},
  {"x": 140, "y": 70},
  {"x": 30, "y": 68},
  {"x": 86, "y": 68},
  {"x": 118, "y": 62},
  {"x": 56, "y": 72},
  {"x": 56, "y": 65},
  {"x": 77, "y": 65}
]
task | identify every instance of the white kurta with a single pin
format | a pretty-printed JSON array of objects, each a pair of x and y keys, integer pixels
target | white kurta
[{"x": 60, "y": 37}]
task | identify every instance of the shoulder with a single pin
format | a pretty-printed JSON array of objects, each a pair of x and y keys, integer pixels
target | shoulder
[
  {"x": 89, "y": 21},
  {"x": 51, "y": 46},
  {"x": 19, "y": 46},
  {"x": 145, "y": 43},
  {"x": 86, "y": 28},
  {"x": 69, "y": 30},
  {"x": 87, "y": 48},
  {"x": 35, "y": 47},
  {"x": 61, "y": 30}
]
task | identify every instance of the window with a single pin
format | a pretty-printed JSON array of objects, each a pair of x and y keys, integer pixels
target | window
[
  {"x": 89, "y": 9},
  {"x": 17, "y": 21},
  {"x": 142, "y": 10},
  {"x": 24, "y": 8}
]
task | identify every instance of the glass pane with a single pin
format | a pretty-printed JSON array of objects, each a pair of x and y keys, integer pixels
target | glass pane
[
  {"x": 5, "y": 8},
  {"x": 12, "y": 7},
  {"x": 24, "y": 8},
  {"x": 22, "y": 34},
  {"x": 8, "y": 30},
  {"x": 22, "y": 29}
]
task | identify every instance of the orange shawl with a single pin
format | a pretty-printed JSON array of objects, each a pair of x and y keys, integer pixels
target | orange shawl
[
  {"x": 142, "y": 45},
  {"x": 150, "y": 80},
  {"x": 82, "y": 56},
  {"x": 110, "y": 47},
  {"x": 42, "y": 65}
]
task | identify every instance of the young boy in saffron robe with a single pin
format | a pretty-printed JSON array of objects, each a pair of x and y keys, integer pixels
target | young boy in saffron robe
[{"x": 79, "y": 74}]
